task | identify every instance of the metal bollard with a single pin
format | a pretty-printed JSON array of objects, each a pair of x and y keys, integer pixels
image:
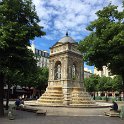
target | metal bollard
[{"x": 11, "y": 112}]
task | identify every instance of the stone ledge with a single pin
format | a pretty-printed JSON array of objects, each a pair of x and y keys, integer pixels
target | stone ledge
[
  {"x": 29, "y": 109},
  {"x": 41, "y": 112},
  {"x": 112, "y": 113}
]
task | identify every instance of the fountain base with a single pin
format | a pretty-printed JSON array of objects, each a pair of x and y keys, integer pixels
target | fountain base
[{"x": 55, "y": 96}]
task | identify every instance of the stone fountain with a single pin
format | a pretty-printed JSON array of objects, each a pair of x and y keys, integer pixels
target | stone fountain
[{"x": 65, "y": 84}]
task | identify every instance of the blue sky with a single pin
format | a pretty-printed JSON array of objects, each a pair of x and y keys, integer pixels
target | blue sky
[{"x": 59, "y": 16}]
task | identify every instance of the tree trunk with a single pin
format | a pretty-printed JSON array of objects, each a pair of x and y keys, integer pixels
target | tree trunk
[
  {"x": 7, "y": 97},
  {"x": 1, "y": 94},
  {"x": 119, "y": 95},
  {"x": 94, "y": 96},
  {"x": 123, "y": 85},
  {"x": 106, "y": 97},
  {"x": 97, "y": 93}
]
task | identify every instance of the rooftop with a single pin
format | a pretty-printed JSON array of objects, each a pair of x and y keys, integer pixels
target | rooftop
[{"x": 66, "y": 39}]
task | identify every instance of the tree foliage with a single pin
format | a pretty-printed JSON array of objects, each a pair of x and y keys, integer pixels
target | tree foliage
[
  {"x": 18, "y": 25},
  {"x": 42, "y": 78},
  {"x": 38, "y": 79},
  {"x": 105, "y": 44},
  {"x": 117, "y": 84},
  {"x": 91, "y": 83},
  {"x": 104, "y": 84}
]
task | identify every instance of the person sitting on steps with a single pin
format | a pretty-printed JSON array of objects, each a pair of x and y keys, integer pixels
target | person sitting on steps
[
  {"x": 17, "y": 102},
  {"x": 114, "y": 106}
]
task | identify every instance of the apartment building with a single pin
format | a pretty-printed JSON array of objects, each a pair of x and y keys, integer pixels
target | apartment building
[
  {"x": 87, "y": 73},
  {"x": 41, "y": 56},
  {"x": 105, "y": 72}
]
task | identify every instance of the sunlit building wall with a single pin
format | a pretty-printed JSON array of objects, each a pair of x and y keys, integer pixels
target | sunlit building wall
[{"x": 41, "y": 56}]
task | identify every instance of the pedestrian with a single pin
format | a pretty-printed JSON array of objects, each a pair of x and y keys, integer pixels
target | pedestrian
[
  {"x": 17, "y": 102},
  {"x": 114, "y": 106}
]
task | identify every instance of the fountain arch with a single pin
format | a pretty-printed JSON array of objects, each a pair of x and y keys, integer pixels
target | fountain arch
[
  {"x": 57, "y": 70},
  {"x": 73, "y": 70}
]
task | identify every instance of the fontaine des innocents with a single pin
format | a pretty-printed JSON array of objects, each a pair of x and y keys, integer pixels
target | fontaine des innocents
[{"x": 65, "y": 83}]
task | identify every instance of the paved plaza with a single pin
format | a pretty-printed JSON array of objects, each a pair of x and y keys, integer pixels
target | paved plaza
[
  {"x": 63, "y": 115},
  {"x": 23, "y": 117}
]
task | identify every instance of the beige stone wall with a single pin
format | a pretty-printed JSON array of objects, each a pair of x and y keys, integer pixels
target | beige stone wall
[
  {"x": 68, "y": 55},
  {"x": 69, "y": 88}
]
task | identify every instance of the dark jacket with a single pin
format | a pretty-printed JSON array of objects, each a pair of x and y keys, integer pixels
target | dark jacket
[{"x": 115, "y": 106}]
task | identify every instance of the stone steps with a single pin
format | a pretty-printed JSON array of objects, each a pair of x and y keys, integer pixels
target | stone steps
[{"x": 112, "y": 114}]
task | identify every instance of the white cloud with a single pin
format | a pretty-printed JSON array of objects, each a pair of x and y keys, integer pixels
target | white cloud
[{"x": 58, "y": 16}]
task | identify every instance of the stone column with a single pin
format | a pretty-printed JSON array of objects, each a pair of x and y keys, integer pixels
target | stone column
[
  {"x": 67, "y": 95},
  {"x": 81, "y": 74},
  {"x": 51, "y": 72},
  {"x": 66, "y": 81}
]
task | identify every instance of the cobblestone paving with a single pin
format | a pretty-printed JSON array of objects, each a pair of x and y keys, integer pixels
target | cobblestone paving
[{"x": 23, "y": 117}]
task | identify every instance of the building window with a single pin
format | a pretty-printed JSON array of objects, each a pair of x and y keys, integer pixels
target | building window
[
  {"x": 43, "y": 54},
  {"x": 57, "y": 73},
  {"x": 36, "y": 51},
  {"x": 40, "y": 52}
]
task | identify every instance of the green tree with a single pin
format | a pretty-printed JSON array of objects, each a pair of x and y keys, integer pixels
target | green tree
[
  {"x": 105, "y": 44},
  {"x": 117, "y": 84},
  {"x": 42, "y": 79},
  {"x": 39, "y": 79},
  {"x": 11, "y": 78},
  {"x": 91, "y": 84},
  {"x": 18, "y": 25},
  {"x": 105, "y": 84}
]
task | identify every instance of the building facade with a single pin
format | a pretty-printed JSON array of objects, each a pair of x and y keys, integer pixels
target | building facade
[
  {"x": 41, "y": 56},
  {"x": 105, "y": 72},
  {"x": 87, "y": 73}
]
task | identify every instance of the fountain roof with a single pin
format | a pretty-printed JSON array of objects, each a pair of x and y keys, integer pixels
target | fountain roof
[{"x": 67, "y": 39}]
